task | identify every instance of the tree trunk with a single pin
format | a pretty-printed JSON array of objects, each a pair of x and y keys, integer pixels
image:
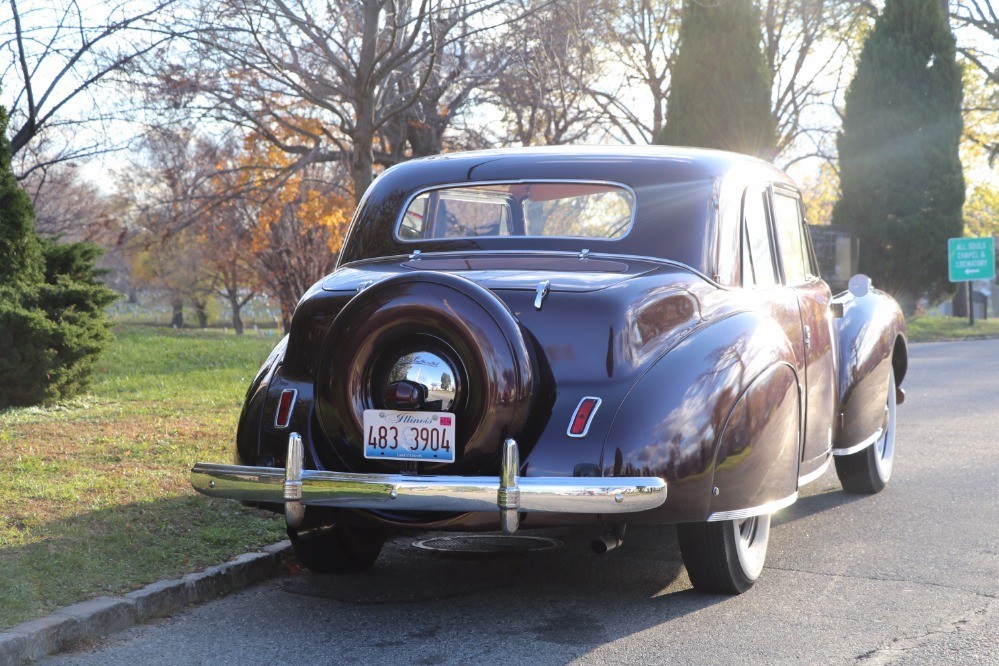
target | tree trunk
[
  {"x": 202, "y": 314},
  {"x": 286, "y": 319},
  {"x": 960, "y": 300},
  {"x": 177, "y": 321},
  {"x": 362, "y": 137},
  {"x": 657, "y": 116},
  {"x": 361, "y": 166},
  {"x": 237, "y": 320}
]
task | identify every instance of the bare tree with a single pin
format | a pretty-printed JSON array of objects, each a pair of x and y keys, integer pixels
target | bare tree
[
  {"x": 464, "y": 63},
  {"x": 642, "y": 34},
  {"x": 976, "y": 26},
  {"x": 321, "y": 80},
  {"x": 227, "y": 244},
  {"x": 546, "y": 90},
  {"x": 981, "y": 21},
  {"x": 809, "y": 46},
  {"x": 68, "y": 204},
  {"x": 226, "y": 234},
  {"x": 56, "y": 62},
  {"x": 165, "y": 185}
]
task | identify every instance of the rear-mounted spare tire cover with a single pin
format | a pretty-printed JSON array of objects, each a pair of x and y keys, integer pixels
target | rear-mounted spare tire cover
[{"x": 450, "y": 319}]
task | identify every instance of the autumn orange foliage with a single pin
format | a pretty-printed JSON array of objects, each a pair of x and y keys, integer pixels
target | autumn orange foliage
[{"x": 300, "y": 198}]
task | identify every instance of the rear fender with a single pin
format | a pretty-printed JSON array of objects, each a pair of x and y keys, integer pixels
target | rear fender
[
  {"x": 249, "y": 424},
  {"x": 678, "y": 422},
  {"x": 872, "y": 340},
  {"x": 756, "y": 465}
]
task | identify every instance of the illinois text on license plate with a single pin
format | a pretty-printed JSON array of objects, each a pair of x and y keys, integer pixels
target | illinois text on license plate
[{"x": 395, "y": 435}]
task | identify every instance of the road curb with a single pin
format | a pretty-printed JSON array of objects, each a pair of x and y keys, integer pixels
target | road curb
[{"x": 69, "y": 626}]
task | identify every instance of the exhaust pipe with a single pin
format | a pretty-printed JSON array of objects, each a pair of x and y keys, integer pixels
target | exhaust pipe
[{"x": 609, "y": 541}]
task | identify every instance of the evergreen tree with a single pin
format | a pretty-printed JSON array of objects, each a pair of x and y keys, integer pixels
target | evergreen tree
[
  {"x": 900, "y": 174},
  {"x": 720, "y": 87},
  {"x": 52, "y": 321},
  {"x": 21, "y": 260}
]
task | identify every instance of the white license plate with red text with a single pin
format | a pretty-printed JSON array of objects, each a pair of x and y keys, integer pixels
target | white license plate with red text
[{"x": 397, "y": 435}]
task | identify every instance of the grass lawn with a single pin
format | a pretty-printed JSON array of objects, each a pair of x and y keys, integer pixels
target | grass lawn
[
  {"x": 95, "y": 496},
  {"x": 933, "y": 327}
]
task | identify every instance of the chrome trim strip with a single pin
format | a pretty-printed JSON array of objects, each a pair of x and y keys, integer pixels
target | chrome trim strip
[
  {"x": 538, "y": 253},
  {"x": 397, "y": 492},
  {"x": 739, "y": 514},
  {"x": 586, "y": 429},
  {"x": 859, "y": 447},
  {"x": 811, "y": 476},
  {"x": 291, "y": 408}
]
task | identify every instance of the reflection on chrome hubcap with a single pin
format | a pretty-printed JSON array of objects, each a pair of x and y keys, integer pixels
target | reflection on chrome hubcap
[{"x": 431, "y": 371}]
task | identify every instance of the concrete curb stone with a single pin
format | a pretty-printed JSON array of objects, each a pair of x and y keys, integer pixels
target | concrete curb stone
[
  {"x": 38, "y": 638},
  {"x": 157, "y": 599},
  {"x": 101, "y": 616},
  {"x": 98, "y": 617},
  {"x": 14, "y": 648}
]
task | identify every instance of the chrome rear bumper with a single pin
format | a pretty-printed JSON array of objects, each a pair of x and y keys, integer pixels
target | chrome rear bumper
[{"x": 507, "y": 493}]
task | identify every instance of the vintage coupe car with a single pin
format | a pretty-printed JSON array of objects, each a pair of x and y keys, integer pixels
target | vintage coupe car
[{"x": 591, "y": 337}]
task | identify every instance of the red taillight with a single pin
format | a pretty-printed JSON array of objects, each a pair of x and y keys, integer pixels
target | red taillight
[
  {"x": 581, "y": 419},
  {"x": 285, "y": 406}
]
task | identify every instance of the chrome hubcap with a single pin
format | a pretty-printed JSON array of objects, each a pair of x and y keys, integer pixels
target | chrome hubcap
[
  {"x": 431, "y": 371},
  {"x": 884, "y": 448},
  {"x": 751, "y": 537}
]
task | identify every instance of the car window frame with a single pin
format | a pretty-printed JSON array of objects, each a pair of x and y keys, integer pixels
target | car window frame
[
  {"x": 810, "y": 266},
  {"x": 432, "y": 190},
  {"x": 764, "y": 192}
]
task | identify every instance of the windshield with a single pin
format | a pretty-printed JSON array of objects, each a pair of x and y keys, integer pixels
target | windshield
[{"x": 550, "y": 209}]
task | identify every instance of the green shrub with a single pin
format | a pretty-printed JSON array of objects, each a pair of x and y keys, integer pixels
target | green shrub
[
  {"x": 52, "y": 321},
  {"x": 27, "y": 357}
]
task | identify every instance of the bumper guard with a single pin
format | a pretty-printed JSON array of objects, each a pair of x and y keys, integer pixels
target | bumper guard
[{"x": 508, "y": 493}]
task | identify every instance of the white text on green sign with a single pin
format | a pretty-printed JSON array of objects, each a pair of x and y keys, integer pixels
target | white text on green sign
[{"x": 971, "y": 259}]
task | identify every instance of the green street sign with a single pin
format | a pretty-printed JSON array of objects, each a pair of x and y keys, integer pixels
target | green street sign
[{"x": 971, "y": 259}]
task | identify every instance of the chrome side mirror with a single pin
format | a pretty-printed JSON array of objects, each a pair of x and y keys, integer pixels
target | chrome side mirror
[{"x": 860, "y": 285}]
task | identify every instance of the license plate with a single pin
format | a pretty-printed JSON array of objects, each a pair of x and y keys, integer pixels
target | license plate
[{"x": 395, "y": 435}]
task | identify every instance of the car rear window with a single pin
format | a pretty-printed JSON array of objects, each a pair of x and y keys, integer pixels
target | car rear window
[{"x": 599, "y": 211}]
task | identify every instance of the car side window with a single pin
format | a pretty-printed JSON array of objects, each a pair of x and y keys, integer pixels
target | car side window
[
  {"x": 757, "y": 259},
  {"x": 790, "y": 236}
]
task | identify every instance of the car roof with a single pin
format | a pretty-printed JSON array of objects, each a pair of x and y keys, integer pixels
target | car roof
[
  {"x": 672, "y": 221},
  {"x": 631, "y": 164}
]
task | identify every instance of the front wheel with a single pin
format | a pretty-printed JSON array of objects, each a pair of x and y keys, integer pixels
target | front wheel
[
  {"x": 867, "y": 471},
  {"x": 338, "y": 549},
  {"x": 724, "y": 557}
]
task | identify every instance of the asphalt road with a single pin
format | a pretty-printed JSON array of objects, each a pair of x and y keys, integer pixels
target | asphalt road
[{"x": 908, "y": 576}]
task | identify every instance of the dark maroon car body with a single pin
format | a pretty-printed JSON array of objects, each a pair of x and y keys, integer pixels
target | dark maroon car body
[{"x": 731, "y": 376}]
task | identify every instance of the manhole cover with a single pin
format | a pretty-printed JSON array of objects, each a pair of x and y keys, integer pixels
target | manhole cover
[{"x": 488, "y": 543}]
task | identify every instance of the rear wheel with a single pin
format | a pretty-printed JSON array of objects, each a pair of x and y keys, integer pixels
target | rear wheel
[
  {"x": 867, "y": 472},
  {"x": 338, "y": 549},
  {"x": 725, "y": 557}
]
